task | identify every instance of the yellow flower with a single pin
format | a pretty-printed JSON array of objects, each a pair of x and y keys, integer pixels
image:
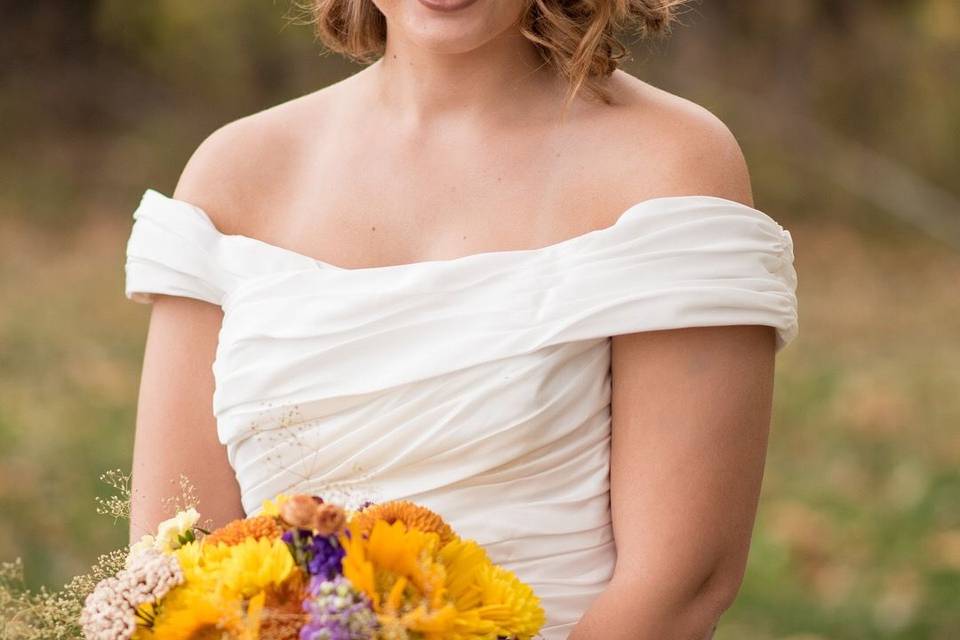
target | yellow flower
[
  {"x": 191, "y": 613},
  {"x": 239, "y": 570},
  {"x": 397, "y": 569},
  {"x": 466, "y": 563},
  {"x": 509, "y": 603},
  {"x": 191, "y": 559},
  {"x": 490, "y": 592},
  {"x": 272, "y": 507},
  {"x": 453, "y": 592},
  {"x": 227, "y": 590},
  {"x": 254, "y": 565}
]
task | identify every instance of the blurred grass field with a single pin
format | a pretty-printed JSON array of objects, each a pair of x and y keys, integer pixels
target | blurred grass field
[{"x": 858, "y": 530}]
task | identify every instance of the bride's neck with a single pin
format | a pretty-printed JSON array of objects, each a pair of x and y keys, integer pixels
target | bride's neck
[{"x": 418, "y": 85}]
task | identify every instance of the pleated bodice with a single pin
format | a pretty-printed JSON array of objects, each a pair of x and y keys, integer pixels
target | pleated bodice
[{"x": 477, "y": 386}]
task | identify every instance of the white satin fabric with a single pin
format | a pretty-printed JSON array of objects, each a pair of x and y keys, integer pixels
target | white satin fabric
[{"x": 477, "y": 386}]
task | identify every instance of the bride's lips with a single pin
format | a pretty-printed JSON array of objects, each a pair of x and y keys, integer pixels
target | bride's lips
[{"x": 446, "y": 5}]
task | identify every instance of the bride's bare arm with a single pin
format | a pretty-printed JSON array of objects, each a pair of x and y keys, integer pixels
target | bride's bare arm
[
  {"x": 175, "y": 426},
  {"x": 691, "y": 419}
]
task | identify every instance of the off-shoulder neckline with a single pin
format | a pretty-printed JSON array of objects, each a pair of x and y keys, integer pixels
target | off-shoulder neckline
[{"x": 621, "y": 219}]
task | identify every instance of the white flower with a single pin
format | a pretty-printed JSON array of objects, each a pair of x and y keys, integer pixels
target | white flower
[
  {"x": 168, "y": 535},
  {"x": 147, "y": 542},
  {"x": 170, "y": 531}
]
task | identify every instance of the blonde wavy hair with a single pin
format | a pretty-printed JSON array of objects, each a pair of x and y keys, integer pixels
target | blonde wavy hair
[{"x": 575, "y": 37}]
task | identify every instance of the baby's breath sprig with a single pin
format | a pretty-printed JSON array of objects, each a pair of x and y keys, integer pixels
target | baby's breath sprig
[
  {"x": 117, "y": 505},
  {"x": 186, "y": 498},
  {"x": 44, "y": 614}
]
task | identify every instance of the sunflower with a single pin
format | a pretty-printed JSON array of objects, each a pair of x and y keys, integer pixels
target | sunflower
[
  {"x": 190, "y": 613},
  {"x": 283, "y": 615},
  {"x": 448, "y": 592},
  {"x": 503, "y": 599},
  {"x": 396, "y": 568},
  {"x": 492, "y": 601}
]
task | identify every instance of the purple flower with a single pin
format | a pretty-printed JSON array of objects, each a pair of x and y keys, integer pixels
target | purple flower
[
  {"x": 320, "y": 555},
  {"x": 337, "y": 612}
]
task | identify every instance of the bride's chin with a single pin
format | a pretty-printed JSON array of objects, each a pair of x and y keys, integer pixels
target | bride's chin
[{"x": 445, "y": 26}]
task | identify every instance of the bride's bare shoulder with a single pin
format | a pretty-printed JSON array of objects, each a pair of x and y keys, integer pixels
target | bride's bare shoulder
[
  {"x": 242, "y": 166},
  {"x": 671, "y": 144}
]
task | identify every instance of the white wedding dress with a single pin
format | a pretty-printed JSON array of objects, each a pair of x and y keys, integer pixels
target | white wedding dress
[{"x": 477, "y": 386}]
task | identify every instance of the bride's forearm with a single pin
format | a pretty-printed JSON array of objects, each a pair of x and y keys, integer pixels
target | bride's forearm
[{"x": 641, "y": 612}]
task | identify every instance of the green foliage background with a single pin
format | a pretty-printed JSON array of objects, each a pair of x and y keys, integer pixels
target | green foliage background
[{"x": 849, "y": 114}]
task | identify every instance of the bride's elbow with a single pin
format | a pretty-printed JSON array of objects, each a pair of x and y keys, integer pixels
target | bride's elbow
[
  {"x": 679, "y": 607},
  {"x": 711, "y": 601}
]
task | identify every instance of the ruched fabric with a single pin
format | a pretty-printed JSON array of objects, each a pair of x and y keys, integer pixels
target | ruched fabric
[{"x": 477, "y": 386}]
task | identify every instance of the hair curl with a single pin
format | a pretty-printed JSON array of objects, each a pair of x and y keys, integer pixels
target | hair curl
[{"x": 577, "y": 38}]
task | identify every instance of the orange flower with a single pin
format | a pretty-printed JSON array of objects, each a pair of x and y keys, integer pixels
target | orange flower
[
  {"x": 410, "y": 514},
  {"x": 309, "y": 512},
  {"x": 329, "y": 519},
  {"x": 300, "y": 511},
  {"x": 283, "y": 616},
  {"x": 237, "y": 531}
]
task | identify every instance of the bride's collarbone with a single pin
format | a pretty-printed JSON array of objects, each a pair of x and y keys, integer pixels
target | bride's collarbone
[{"x": 354, "y": 238}]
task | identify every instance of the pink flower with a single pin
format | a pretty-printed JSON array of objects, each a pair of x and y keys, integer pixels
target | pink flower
[{"x": 109, "y": 612}]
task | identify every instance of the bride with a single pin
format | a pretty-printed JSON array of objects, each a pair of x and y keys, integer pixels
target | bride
[{"x": 491, "y": 273}]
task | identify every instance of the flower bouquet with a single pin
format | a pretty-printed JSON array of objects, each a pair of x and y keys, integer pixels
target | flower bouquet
[{"x": 305, "y": 569}]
